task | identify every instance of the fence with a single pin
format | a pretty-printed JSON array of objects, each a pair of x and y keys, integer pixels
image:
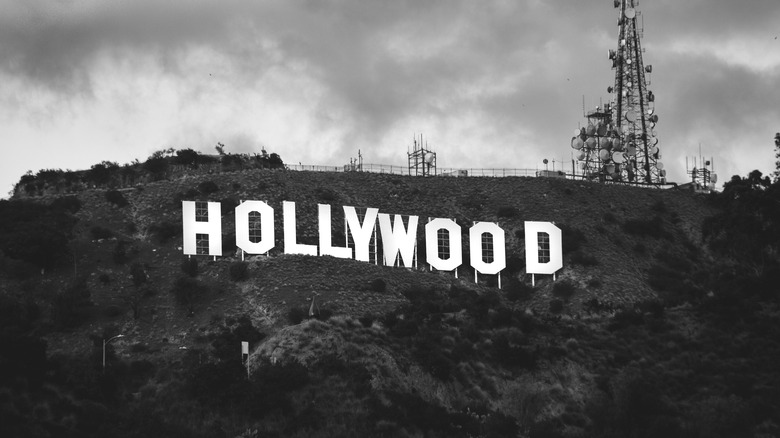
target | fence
[{"x": 404, "y": 170}]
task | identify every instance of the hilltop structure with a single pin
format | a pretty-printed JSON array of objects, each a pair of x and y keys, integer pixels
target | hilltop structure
[{"x": 619, "y": 142}]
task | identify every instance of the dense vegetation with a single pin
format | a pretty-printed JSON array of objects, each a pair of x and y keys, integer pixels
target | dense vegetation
[{"x": 699, "y": 360}]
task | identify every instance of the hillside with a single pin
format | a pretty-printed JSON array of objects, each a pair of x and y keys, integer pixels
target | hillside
[{"x": 628, "y": 340}]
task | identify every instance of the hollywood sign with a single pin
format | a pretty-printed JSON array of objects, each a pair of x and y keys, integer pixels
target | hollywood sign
[{"x": 399, "y": 241}]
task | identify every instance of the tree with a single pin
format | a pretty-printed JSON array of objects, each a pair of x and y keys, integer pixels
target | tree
[{"x": 776, "y": 173}]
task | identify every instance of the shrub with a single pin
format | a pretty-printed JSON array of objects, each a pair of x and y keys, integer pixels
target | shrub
[
  {"x": 164, "y": 231},
  {"x": 646, "y": 227},
  {"x": 190, "y": 266},
  {"x": 583, "y": 259},
  {"x": 572, "y": 239},
  {"x": 594, "y": 283},
  {"x": 609, "y": 217},
  {"x": 208, "y": 187},
  {"x": 239, "y": 271},
  {"x": 518, "y": 290},
  {"x": 564, "y": 289},
  {"x": 507, "y": 211},
  {"x": 556, "y": 306},
  {"x": 188, "y": 291},
  {"x": 67, "y": 203},
  {"x": 297, "y": 314},
  {"x": 326, "y": 195},
  {"x": 99, "y": 232},
  {"x": 378, "y": 285},
  {"x": 116, "y": 197}
]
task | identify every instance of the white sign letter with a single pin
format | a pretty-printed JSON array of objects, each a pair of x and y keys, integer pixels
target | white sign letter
[
  {"x": 475, "y": 245},
  {"x": 291, "y": 245},
  {"x": 361, "y": 234},
  {"x": 532, "y": 247},
  {"x": 432, "y": 244},
  {"x": 192, "y": 227},
  {"x": 266, "y": 227},
  {"x": 396, "y": 240},
  {"x": 325, "y": 236}
]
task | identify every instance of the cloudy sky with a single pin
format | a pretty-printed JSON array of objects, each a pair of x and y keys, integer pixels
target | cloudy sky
[{"x": 489, "y": 83}]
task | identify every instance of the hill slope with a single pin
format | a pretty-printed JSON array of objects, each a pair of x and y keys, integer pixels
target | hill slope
[{"x": 395, "y": 351}]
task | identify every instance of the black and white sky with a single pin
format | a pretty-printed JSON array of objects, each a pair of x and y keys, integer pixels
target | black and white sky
[{"x": 489, "y": 83}]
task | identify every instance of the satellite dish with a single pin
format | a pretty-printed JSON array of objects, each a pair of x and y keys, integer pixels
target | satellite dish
[
  {"x": 545, "y": 161},
  {"x": 577, "y": 131},
  {"x": 601, "y": 130},
  {"x": 662, "y": 173},
  {"x": 653, "y": 150},
  {"x": 630, "y": 13},
  {"x": 630, "y": 116},
  {"x": 577, "y": 143},
  {"x": 590, "y": 130},
  {"x": 618, "y": 157},
  {"x": 714, "y": 178},
  {"x": 590, "y": 143},
  {"x": 429, "y": 158},
  {"x": 611, "y": 54},
  {"x": 650, "y": 111},
  {"x": 581, "y": 156},
  {"x": 629, "y": 84},
  {"x": 654, "y": 141},
  {"x": 604, "y": 154},
  {"x": 606, "y": 143},
  {"x": 659, "y": 165},
  {"x": 610, "y": 90},
  {"x": 649, "y": 68},
  {"x": 617, "y": 146},
  {"x": 622, "y": 42},
  {"x": 631, "y": 151},
  {"x": 654, "y": 118},
  {"x": 610, "y": 168},
  {"x": 617, "y": 3},
  {"x": 628, "y": 61}
]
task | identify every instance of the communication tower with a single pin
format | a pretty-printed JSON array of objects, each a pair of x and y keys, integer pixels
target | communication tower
[
  {"x": 422, "y": 161},
  {"x": 619, "y": 142},
  {"x": 702, "y": 174}
]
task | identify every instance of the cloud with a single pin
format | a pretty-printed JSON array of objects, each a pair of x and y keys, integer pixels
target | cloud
[{"x": 317, "y": 80}]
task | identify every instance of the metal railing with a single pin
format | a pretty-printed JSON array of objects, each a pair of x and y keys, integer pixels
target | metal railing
[{"x": 404, "y": 170}]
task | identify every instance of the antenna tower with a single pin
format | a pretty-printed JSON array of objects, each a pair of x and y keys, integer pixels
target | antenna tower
[
  {"x": 619, "y": 143},
  {"x": 422, "y": 161}
]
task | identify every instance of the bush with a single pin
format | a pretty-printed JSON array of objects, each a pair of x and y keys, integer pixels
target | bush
[
  {"x": 646, "y": 227},
  {"x": 239, "y": 271},
  {"x": 583, "y": 259},
  {"x": 296, "y": 315},
  {"x": 69, "y": 204},
  {"x": 518, "y": 290},
  {"x": 190, "y": 267},
  {"x": 208, "y": 187},
  {"x": 165, "y": 231},
  {"x": 188, "y": 291},
  {"x": 572, "y": 239},
  {"x": 326, "y": 195},
  {"x": 116, "y": 197},
  {"x": 556, "y": 306},
  {"x": 564, "y": 289},
  {"x": 99, "y": 232},
  {"x": 507, "y": 211},
  {"x": 378, "y": 285}
]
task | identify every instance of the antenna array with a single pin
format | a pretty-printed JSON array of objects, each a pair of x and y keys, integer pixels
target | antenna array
[{"x": 619, "y": 143}]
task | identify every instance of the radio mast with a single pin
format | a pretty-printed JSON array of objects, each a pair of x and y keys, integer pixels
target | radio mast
[{"x": 619, "y": 143}]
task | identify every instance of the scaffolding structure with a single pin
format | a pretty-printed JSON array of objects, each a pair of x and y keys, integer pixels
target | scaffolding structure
[{"x": 619, "y": 143}]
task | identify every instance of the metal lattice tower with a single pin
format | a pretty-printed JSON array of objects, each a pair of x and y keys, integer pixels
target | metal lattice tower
[{"x": 619, "y": 143}]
